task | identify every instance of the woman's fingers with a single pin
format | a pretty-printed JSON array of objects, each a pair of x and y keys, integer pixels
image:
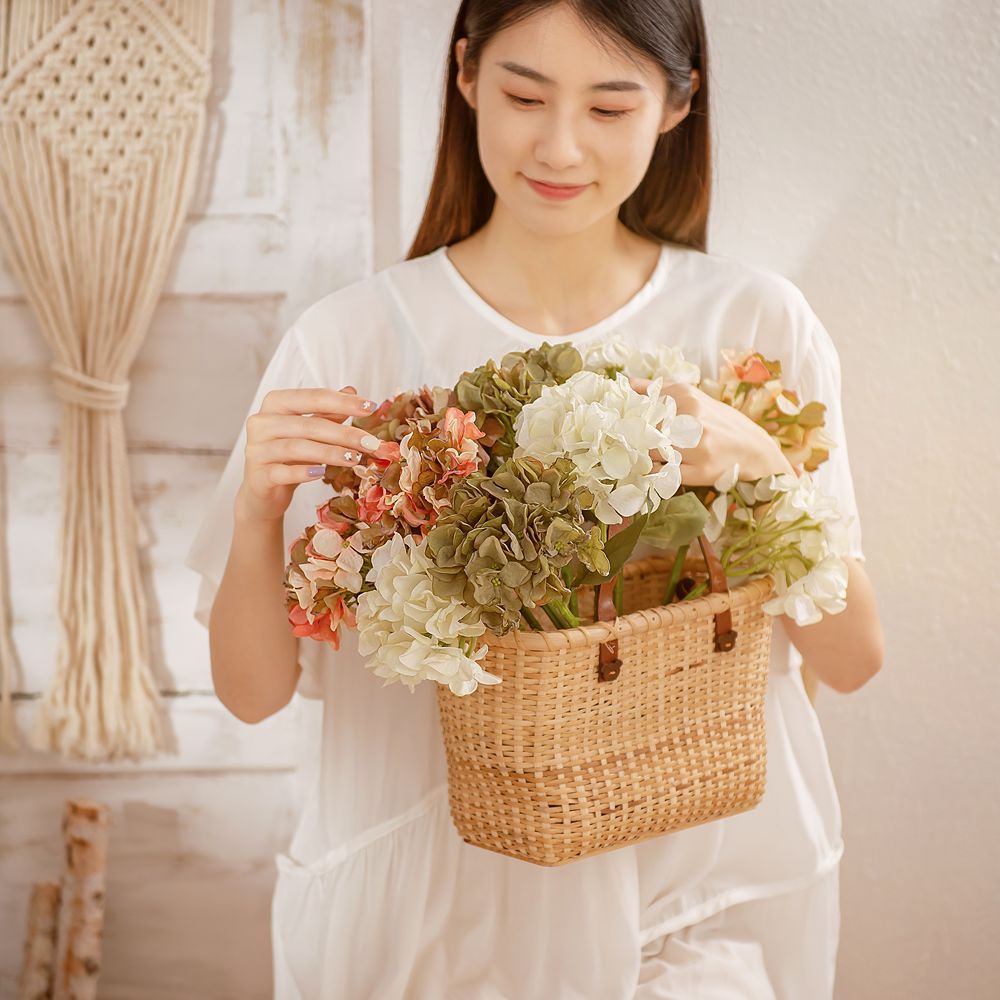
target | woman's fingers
[
  {"x": 327, "y": 402},
  {"x": 281, "y": 427},
  {"x": 297, "y": 432},
  {"x": 294, "y": 435},
  {"x": 296, "y": 450},
  {"x": 290, "y": 475}
]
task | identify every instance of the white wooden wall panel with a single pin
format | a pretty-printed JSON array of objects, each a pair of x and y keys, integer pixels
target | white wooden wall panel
[
  {"x": 281, "y": 215},
  {"x": 189, "y": 877},
  {"x": 202, "y": 739},
  {"x": 192, "y": 380}
]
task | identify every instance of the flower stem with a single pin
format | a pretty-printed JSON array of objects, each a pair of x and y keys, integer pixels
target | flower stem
[
  {"x": 619, "y": 591},
  {"x": 531, "y": 619},
  {"x": 560, "y": 614},
  {"x": 675, "y": 573},
  {"x": 567, "y": 575},
  {"x": 553, "y": 616},
  {"x": 696, "y": 591},
  {"x": 574, "y": 620}
]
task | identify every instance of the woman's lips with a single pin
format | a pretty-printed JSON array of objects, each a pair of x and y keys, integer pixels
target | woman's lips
[{"x": 556, "y": 193}]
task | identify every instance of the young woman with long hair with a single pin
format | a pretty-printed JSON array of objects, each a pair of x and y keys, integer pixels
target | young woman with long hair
[{"x": 569, "y": 202}]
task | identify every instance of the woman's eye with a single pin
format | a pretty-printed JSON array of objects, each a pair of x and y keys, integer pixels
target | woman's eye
[{"x": 526, "y": 102}]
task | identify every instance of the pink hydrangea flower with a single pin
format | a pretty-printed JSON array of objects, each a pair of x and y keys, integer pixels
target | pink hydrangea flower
[
  {"x": 327, "y": 519},
  {"x": 753, "y": 371},
  {"x": 459, "y": 426},
  {"x": 325, "y": 627}
]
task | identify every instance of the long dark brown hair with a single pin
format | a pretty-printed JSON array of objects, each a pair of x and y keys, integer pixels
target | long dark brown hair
[{"x": 671, "y": 202}]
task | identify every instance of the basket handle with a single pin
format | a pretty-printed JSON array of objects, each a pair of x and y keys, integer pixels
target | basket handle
[{"x": 609, "y": 664}]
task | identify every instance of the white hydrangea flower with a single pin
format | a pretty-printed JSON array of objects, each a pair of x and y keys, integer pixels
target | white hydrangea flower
[
  {"x": 752, "y": 493},
  {"x": 823, "y": 590},
  {"x": 800, "y": 495},
  {"x": 608, "y": 430},
  {"x": 635, "y": 361},
  {"x": 768, "y": 487},
  {"x": 612, "y": 352},
  {"x": 803, "y": 595},
  {"x": 409, "y": 634},
  {"x": 719, "y": 507}
]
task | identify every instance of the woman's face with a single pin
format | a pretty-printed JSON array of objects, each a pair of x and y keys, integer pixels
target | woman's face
[{"x": 552, "y": 105}]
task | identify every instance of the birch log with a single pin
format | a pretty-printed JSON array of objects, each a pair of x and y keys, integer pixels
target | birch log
[
  {"x": 35, "y": 982},
  {"x": 81, "y": 916}
]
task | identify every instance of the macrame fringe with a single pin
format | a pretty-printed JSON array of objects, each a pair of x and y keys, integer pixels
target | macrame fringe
[{"x": 102, "y": 113}]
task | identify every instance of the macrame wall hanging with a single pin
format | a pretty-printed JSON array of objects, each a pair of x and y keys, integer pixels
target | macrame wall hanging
[{"x": 102, "y": 114}]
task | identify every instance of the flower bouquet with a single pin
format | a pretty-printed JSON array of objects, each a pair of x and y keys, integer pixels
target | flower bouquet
[{"x": 585, "y": 702}]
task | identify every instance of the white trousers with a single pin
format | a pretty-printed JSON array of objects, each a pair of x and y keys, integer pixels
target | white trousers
[{"x": 781, "y": 948}]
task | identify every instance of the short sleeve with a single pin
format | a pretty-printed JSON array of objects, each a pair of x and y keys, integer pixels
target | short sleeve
[
  {"x": 209, "y": 552},
  {"x": 820, "y": 379}
]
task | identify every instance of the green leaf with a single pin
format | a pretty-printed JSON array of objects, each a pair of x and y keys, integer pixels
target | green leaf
[
  {"x": 678, "y": 521},
  {"x": 618, "y": 548}
]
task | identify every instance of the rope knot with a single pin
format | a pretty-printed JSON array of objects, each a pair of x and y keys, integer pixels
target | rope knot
[{"x": 88, "y": 391}]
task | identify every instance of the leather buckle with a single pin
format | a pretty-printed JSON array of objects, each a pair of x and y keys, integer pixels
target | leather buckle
[{"x": 725, "y": 641}]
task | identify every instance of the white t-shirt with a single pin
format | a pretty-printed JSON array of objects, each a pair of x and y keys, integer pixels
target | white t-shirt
[{"x": 378, "y": 895}]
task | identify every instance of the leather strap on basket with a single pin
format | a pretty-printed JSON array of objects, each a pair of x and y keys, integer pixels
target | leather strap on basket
[
  {"x": 725, "y": 637},
  {"x": 609, "y": 664}
]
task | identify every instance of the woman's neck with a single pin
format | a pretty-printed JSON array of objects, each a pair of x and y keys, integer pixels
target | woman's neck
[{"x": 555, "y": 285}]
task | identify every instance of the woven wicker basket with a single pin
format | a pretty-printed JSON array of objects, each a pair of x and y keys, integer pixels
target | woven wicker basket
[{"x": 617, "y": 731}]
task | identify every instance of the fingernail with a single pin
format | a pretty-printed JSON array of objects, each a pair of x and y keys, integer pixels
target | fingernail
[
  {"x": 316, "y": 470},
  {"x": 367, "y": 405},
  {"x": 370, "y": 443},
  {"x": 352, "y": 456}
]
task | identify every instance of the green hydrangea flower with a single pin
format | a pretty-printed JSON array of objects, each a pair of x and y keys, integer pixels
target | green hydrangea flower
[
  {"x": 497, "y": 392},
  {"x": 502, "y": 545}
]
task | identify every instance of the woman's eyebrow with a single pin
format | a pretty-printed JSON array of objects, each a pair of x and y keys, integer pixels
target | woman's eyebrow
[{"x": 533, "y": 74}]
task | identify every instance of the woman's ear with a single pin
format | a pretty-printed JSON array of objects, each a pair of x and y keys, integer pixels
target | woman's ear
[
  {"x": 466, "y": 87},
  {"x": 674, "y": 116}
]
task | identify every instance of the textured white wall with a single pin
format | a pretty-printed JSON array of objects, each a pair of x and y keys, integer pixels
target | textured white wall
[
  {"x": 857, "y": 148},
  {"x": 857, "y": 151}
]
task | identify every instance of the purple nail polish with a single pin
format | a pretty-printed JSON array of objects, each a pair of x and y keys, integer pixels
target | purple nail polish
[{"x": 316, "y": 470}]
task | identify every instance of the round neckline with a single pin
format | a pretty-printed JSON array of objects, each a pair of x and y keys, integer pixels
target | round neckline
[{"x": 653, "y": 284}]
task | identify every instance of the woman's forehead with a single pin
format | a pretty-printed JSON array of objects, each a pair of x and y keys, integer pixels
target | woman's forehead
[{"x": 554, "y": 48}]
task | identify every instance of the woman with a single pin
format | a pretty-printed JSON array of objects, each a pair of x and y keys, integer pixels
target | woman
[{"x": 378, "y": 896}]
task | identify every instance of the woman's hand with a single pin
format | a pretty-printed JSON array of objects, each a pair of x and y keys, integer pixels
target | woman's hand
[
  {"x": 729, "y": 436},
  {"x": 291, "y": 438}
]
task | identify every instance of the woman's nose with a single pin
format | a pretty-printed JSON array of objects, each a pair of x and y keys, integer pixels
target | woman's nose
[{"x": 558, "y": 146}]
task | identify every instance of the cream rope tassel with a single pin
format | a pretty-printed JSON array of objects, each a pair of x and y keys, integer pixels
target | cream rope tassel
[{"x": 102, "y": 113}]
